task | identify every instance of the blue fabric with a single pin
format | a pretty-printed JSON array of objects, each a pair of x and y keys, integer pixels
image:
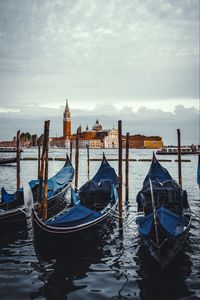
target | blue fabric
[
  {"x": 157, "y": 172},
  {"x": 145, "y": 224},
  {"x": 55, "y": 184},
  {"x": 78, "y": 214},
  {"x": 171, "y": 222},
  {"x": 162, "y": 183},
  {"x": 106, "y": 172},
  {"x": 74, "y": 197}
]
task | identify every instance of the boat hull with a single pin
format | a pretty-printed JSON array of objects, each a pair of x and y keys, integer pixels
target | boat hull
[
  {"x": 5, "y": 161},
  {"x": 55, "y": 242},
  {"x": 12, "y": 218},
  {"x": 168, "y": 243}
]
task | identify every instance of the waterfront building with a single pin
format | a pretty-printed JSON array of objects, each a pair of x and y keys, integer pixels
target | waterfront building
[{"x": 96, "y": 138}]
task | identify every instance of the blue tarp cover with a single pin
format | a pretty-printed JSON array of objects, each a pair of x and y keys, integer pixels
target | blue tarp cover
[
  {"x": 55, "y": 184},
  {"x": 172, "y": 223},
  {"x": 106, "y": 172},
  {"x": 145, "y": 224},
  {"x": 78, "y": 214},
  {"x": 157, "y": 172}
]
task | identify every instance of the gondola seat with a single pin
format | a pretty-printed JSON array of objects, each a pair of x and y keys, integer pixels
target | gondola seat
[{"x": 96, "y": 196}]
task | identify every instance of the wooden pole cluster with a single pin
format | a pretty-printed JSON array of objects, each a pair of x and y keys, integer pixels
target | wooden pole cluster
[
  {"x": 43, "y": 174},
  {"x": 77, "y": 160},
  {"x": 179, "y": 157},
  {"x": 120, "y": 167},
  {"x": 18, "y": 160},
  {"x": 127, "y": 167}
]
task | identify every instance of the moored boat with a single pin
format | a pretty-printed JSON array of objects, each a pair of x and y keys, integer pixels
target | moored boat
[
  {"x": 90, "y": 210},
  {"x": 9, "y": 149},
  {"x": 13, "y": 210},
  {"x": 6, "y": 161},
  {"x": 173, "y": 150},
  {"x": 164, "y": 216}
]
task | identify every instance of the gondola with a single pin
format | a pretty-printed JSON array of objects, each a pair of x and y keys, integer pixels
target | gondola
[
  {"x": 198, "y": 171},
  {"x": 6, "y": 161},
  {"x": 13, "y": 210},
  {"x": 90, "y": 211},
  {"x": 164, "y": 216}
]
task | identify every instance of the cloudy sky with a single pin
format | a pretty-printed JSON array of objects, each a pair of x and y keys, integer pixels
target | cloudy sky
[{"x": 135, "y": 60}]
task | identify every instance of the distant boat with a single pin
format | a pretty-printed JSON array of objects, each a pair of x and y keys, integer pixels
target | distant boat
[
  {"x": 164, "y": 216},
  {"x": 90, "y": 212},
  {"x": 198, "y": 171},
  {"x": 173, "y": 150},
  {"x": 9, "y": 149},
  {"x": 6, "y": 161},
  {"x": 12, "y": 206}
]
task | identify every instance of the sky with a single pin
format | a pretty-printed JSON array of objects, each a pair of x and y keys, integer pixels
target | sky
[{"x": 134, "y": 60}]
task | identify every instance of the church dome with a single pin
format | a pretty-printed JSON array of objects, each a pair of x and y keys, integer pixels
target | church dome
[{"x": 97, "y": 126}]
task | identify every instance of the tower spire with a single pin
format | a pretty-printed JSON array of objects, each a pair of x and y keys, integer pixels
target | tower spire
[
  {"x": 67, "y": 106},
  {"x": 66, "y": 121}
]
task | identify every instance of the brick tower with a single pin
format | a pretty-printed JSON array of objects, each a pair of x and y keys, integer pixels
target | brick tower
[{"x": 66, "y": 122}]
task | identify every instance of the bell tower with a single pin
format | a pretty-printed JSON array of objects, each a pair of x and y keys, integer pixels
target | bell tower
[{"x": 66, "y": 122}]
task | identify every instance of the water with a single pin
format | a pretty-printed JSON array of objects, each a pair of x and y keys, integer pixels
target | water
[{"x": 115, "y": 267}]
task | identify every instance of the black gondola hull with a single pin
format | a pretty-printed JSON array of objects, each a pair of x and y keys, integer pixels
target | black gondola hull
[
  {"x": 54, "y": 242},
  {"x": 168, "y": 248},
  {"x": 12, "y": 218}
]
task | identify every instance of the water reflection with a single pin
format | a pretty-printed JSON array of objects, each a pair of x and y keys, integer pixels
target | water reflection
[
  {"x": 169, "y": 283},
  {"x": 62, "y": 277}
]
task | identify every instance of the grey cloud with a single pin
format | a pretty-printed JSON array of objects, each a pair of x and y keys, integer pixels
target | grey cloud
[{"x": 99, "y": 48}]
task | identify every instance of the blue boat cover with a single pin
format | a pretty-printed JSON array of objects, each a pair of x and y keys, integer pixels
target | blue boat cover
[
  {"x": 172, "y": 223},
  {"x": 102, "y": 187},
  {"x": 157, "y": 172},
  {"x": 78, "y": 214},
  {"x": 55, "y": 184},
  {"x": 106, "y": 172},
  {"x": 145, "y": 224}
]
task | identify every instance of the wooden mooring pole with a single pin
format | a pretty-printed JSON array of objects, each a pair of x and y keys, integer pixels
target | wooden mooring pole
[
  {"x": 127, "y": 167},
  {"x": 18, "y": 160},
  {"x": 77, "y": 160},
  {"x": 39, "y": 156},
  {"x": 46, "y": 149},
  {"x": 70, "y": 154},
  {"x": 120, "y": 166},
  {"x": 88, "y": 161},
  {"x": 179, "y": 157}
]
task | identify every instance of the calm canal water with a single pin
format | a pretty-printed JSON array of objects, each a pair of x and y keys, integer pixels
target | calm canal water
[{"x": 114, "y": 267}]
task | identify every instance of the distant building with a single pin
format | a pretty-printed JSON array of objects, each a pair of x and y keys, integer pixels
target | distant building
[
  {"x": 111, "y": 140},
  {"x": 148, "y": 142},
  {"x": 97, "y": 137}
]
